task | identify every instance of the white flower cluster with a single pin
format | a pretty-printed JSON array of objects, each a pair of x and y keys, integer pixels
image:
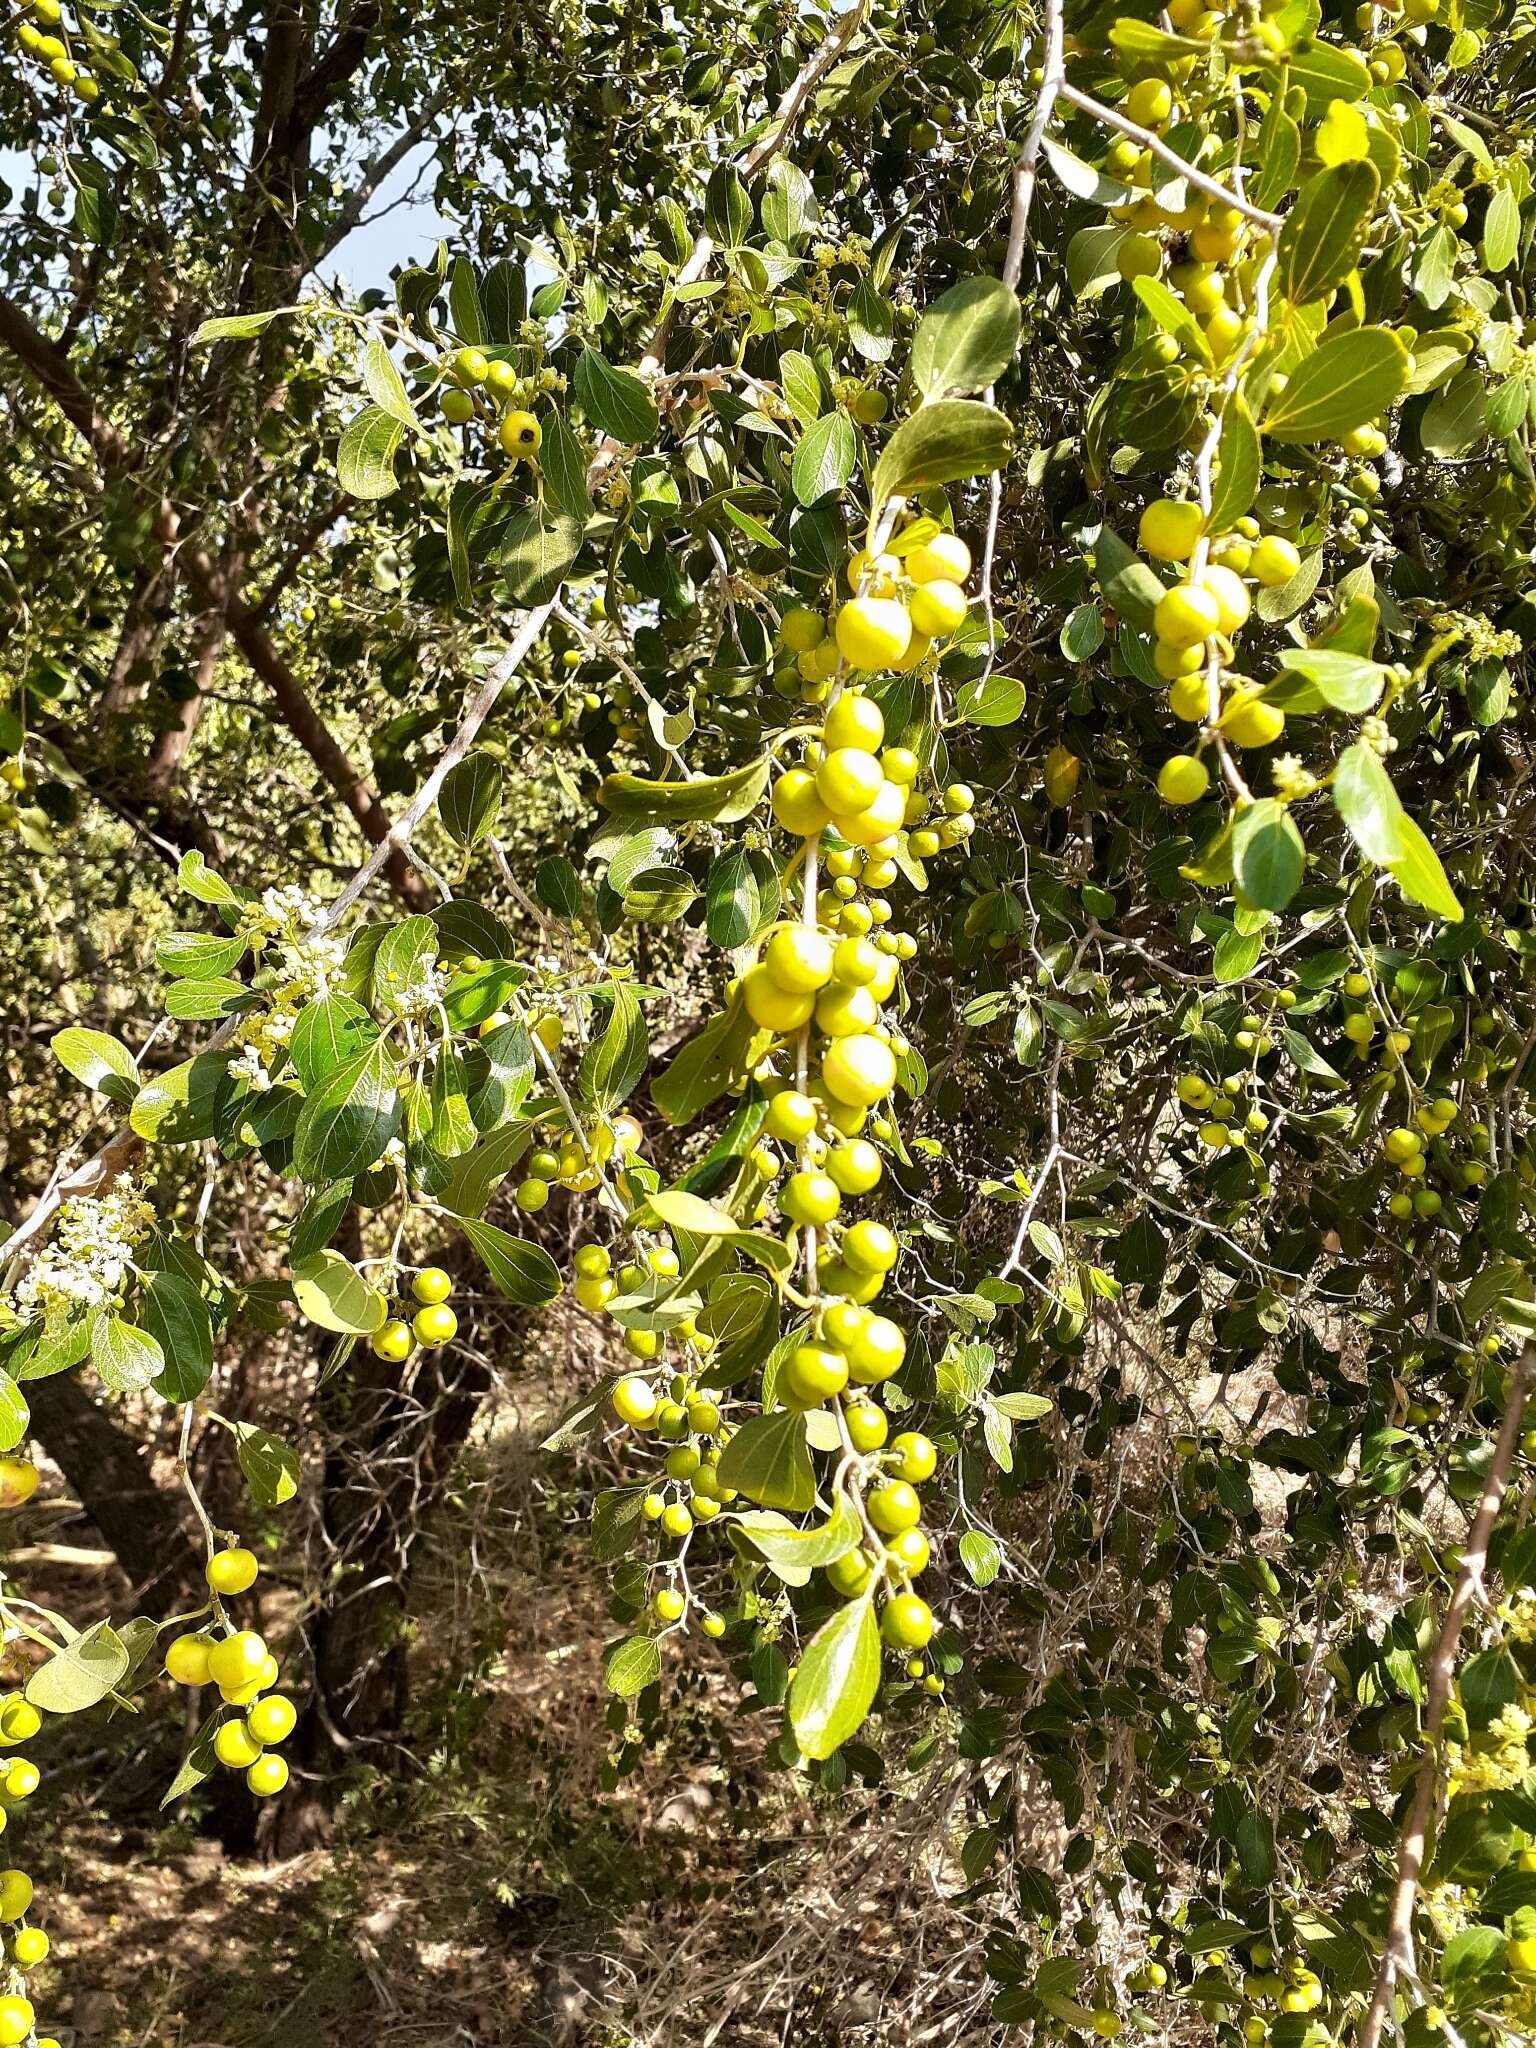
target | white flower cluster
[
  {"x": 278, "y": 925},
  {"x": 87, "y": 1262},
  {"x": 422, "y": 994}
]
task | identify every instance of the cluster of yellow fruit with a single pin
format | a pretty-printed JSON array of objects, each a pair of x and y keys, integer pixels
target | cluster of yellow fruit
[
  {"x": 432, "y": 1322},
  {"x": 474, "y": 373},
  {"x": 52, "y": 50},
  {"x": 1196, "y": 623},
  {"x": 1404, "y": 1147},
  {"x": 904, "y": 600},
  {"x": 245, "y": 1671},
  {"x": 1220, "y": 1106},
  {"x": 25, "y": 1947},
  {"x": 564, "y": 1160}
]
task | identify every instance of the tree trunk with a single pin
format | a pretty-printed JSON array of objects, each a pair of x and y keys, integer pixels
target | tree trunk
[{"x": 106, "y": 1468}]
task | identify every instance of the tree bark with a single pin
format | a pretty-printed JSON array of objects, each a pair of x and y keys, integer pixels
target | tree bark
[{"x": 106, "y": 1467}]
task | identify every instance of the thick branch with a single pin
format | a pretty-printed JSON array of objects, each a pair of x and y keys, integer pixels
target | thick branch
[
  {"x": 302, "y": 719},
  {"x": 51, "y": 367},
  {"x": 1397, "y": 1951}
]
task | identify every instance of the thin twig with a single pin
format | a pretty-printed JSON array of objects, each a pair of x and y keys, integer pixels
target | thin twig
[{"x": 1397, "y": 1951}]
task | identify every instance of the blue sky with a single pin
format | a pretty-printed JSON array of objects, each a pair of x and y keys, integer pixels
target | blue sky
[{"x": 400, "y": 228}]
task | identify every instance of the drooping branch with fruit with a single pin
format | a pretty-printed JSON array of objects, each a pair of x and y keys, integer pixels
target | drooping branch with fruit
[{"x": 1061, "y": 983}]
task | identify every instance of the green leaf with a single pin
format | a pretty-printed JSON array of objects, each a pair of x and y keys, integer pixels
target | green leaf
[
  {"x": 1324, "y": 73},
  {"x": 735, "y": 908},
  {"x": 199, "y": 880},
  {"x": 612, "y": 1065},
  {"x": 349, "y": 1119},
  {"x": 97, "y": 1059},
  {"x": 722, "y": 798},
  {"x": 631, "y": 1664},
  {"x": 1314, "y": 678},
  {"x": 564, "y": 462},
  {"x": 981, "y": 1557},
  {"x": 199, "y": 955},
  {"x": 332, "y": 1293},
  {"x": 197, "y": 1766},
  {"x": 176, "y": 1317},
  {"x": 386, "y": 387},
  {"x": 270, "y": 1466},
  {"x": 1267, "y": 853},
  {"x": 464, "y": 303},
  {"x": 781, "y": 1542},
  {"x": 470, "y": 799},
  {"x": 835, "y": 1686},
  {"x": 1369, "y": 805},
  {"x": 184, "y": 1103},
  {"x": 1347, "y": 381},
  {"x": 1418, "y": 873},
  {"x": 238, "y": 326},
  {"x": 990, "y": 700},
  {"x": 474, "y": 1178},
  {"x": 81, "y": 1674},
  {"x": 825, "y": 458},
  {"x": 659, "y": 895},
  {"x": 800, "y": 382},
  {"x": 680, "y": 1210},
  {"x": 203, "y": 1000},
  {"x": 1501, "y": 229},
  {"x": 365, "y": 460},
  {"x": 966, "y": 339},
  {"x": 1239, "y": 467},
  {"x": 769, "y": 1461},
  {"x": 940, "y": 443},
  {"x": 1127, "y": 582},
  {"x": 404, "y": 962},
  {"x": 523, "y": 1272},
  {"x": 127, "y": 1359},
  {"x": 1324, "y": 232},
  {"x": 15, "y": 1415},
  {"x": 326, "y": 1033},
  {"x": 453, "y": 1127},
  {"x": 702, "y": 1069},
  {"x": 537, "y": 549},
  {"x": 615, "y": 399}
]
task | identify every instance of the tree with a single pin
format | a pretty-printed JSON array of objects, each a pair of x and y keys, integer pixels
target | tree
[{"x": 951, "y": 588}]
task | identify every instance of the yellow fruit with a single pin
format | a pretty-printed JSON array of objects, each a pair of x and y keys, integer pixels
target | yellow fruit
[
  {"x": 634, "y": 1400},
  {"x": 771, "y": 1007},
  {"x": 797, "y": 805},
  {"x": 1183, "y": 779},
  {"x": 1173, "y": 662},
  {"x": 1274, "y": 561},
  {"x": 854, "y": 721},
  {"x": 938, "y": 607},
  {"x": 1139, "y": 256},
  {"x": 266, "y": 1776},
  {"x": 842, "y": 1011},
  {"x": 819, "y": 664},
  {"x": 272, "y": 1719},
  {"x": 1063, "y": 770},
  {"x": 15, "y": 1894},
  {"x": 520, "y": 435},
  {"x": 235, "y": 1746},
  {"x": 232, "y": 1571},
  {"x": 873, "y": 632},
  {"x": 790, "y": 1117},
  {"x": 1150, "y": 102},
  {"x": 799, "y": 959},
  {"x": 879, "y": 574},
  {"x": 814, "y": 1373},
  {"x": 879, "y": 820},
  {"x": 16, "y": 2020},
  {"x": 237, "y": 1659},
  {"x": 855, "y": 1165},
  {"x": 944, "y": 558},
  {"x": 1186, "y": 615},
  {"x": 1169, "y": 529},
  {"x": 1232, "y": 600},
  {"x": 1190, "y": 699},
  {"x": 802, "y": 629},
  {"x": 810, "y": 1197},
  {"x": 186, "y": 1660},
  {"x": 849, "y": 779},
  {"x": 18, "y": 1481},
  {"x": 1250, "y": 722},
  {"x": 859, "y": 1071}
]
